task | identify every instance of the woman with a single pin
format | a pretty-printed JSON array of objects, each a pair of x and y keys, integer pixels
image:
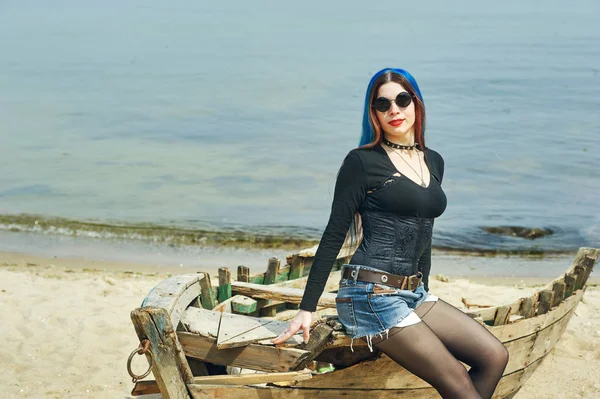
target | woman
[{"x": 391, "y": 188}]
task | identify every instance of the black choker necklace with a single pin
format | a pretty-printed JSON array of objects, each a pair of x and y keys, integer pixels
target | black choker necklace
[{"x": 398, "y": 146}]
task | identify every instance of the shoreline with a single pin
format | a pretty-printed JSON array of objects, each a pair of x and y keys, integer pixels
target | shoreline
[{"x": 286, "y": 238}]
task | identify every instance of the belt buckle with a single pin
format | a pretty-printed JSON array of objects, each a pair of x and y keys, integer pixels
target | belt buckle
[{"x": 403, "y": 282}]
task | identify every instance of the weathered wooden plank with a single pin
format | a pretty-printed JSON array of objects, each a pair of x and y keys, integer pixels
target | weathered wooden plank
[
  {"x": 202, "y": 322},
  {"x": 151, "y": 387},
  {"x": 247, "y": 379},
  {"x": 510, "y": 332},
  {"x": 169, "y": 366},
  {"x": 569, "y": 285},
  {"x": 502, "y": 315},
  {"x": 346, "y": 251},
  {"x": 526, "y": 350},
  {"x": 253, "y": 356},
  {"x": 307, "y": 266},
  {"x": 237, "y": 330},
  {"x": 384, "y": 374},
  {"x": 296, "y": 267},
  {"x": 588, "y": 263},
  {"x": 513, "y": 318},
  {"x": 545, "y": 302},
  {"x": 527, "y": 307},
  {"x": 232, "y": 325},
  {"x": 490, "y": 313},
  {"x": 272, "y": 270},
  {"x": 511, "y": 383},
  {"x": 146, "y": 387},
  {"x": 226, "y": 306},
  {"x": 270, "y": 310},
  {"x": 206, "y": 296},
  {"x": 257, "y": 279},
  {"x": 278, "y": 293},
  {"x": 579, "y": 276},
  {"x": 559, "y": 292},
  {"x": 243, "y": 392},
  {"x": 267, "y": 309},
  {"x": 319, "y": 338},
  {"x": 547, "y": 338},
  {"x": 508, "y": 385},
  {"x": 282, "y": 275},
  {"x": 243, "y": 274},
  {"x": 332, "y": 284},
  {"x": 580, "y": 259},
  {"x": 243, "y": 304},
  {"x": 174, "y": 295},
  {"x": 224, "y": 290}
]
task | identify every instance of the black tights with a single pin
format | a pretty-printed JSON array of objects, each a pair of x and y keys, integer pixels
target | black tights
[{"x": 432, "y": 349}]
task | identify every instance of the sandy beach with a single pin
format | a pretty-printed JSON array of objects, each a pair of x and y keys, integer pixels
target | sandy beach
[{"x": 65, "y": 330}]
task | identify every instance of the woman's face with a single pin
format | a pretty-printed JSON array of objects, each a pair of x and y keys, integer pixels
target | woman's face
[{"x": 396, "y": 121}]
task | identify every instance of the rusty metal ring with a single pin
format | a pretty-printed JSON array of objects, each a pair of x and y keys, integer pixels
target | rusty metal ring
[{"x": 136, "y": 378}]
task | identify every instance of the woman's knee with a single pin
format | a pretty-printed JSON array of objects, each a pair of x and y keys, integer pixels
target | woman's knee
[
  {"x": 501, "y": 355},
  {"x": 495, "y": 357}
]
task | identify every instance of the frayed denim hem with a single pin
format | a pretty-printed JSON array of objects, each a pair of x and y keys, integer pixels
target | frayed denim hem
[{"x": 369, "y": 338}]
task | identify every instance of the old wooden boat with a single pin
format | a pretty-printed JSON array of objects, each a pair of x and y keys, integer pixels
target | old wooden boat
[{"x": 197, "y": 333}]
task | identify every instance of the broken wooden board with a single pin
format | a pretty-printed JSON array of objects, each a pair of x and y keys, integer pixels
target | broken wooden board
[
  {"x": 253, "y": 356},
  {"x": 146, "y": 387},
  {"x": 238, "y": 330},
  {"x": 201, "y": 321},
  {"x": 227, "y": 305},
  {"x": 206, "y": 323},
  {"x": 272, "y": 292},
  {"x": 248, "y": 379},
  {"x": 169, "y": 365},
  {"x": 582, "y": 257},
  {"x": 243, "y": 304}
]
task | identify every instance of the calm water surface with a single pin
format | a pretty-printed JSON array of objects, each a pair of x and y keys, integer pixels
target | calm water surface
[{"x": 237, "y": 115}]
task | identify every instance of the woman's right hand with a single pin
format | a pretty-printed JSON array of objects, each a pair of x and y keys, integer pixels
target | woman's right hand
[{"x": 301, "y": 321}]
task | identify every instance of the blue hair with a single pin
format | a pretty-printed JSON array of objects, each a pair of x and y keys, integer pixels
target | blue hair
[{"x": 367, "y": 128}]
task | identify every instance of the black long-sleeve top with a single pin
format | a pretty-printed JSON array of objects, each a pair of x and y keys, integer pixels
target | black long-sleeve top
[{"x": 397, "y": 218}]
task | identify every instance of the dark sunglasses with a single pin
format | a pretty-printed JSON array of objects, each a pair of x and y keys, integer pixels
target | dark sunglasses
[{"x": 402, "y": 100}]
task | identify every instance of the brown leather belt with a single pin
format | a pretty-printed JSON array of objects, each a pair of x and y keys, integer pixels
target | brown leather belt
[{"x": 393, "y": 280}]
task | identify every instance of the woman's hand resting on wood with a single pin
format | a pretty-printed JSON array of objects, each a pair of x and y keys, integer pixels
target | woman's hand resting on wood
[{"x": 301, "y": 321}]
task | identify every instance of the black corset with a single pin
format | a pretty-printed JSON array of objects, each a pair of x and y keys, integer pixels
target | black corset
[{"x": 393, "y": 243}]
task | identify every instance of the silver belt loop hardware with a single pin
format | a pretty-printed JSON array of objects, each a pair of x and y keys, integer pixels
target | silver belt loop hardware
[
  {"x": 384, "y": 278},
  {"x": 354, "y": 273}
]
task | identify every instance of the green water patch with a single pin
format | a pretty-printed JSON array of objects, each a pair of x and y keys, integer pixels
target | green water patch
[{"x": 149, "y": 232}]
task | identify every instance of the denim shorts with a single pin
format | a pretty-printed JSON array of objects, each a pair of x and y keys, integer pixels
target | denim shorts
[{"x": 368, "y": 309}]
